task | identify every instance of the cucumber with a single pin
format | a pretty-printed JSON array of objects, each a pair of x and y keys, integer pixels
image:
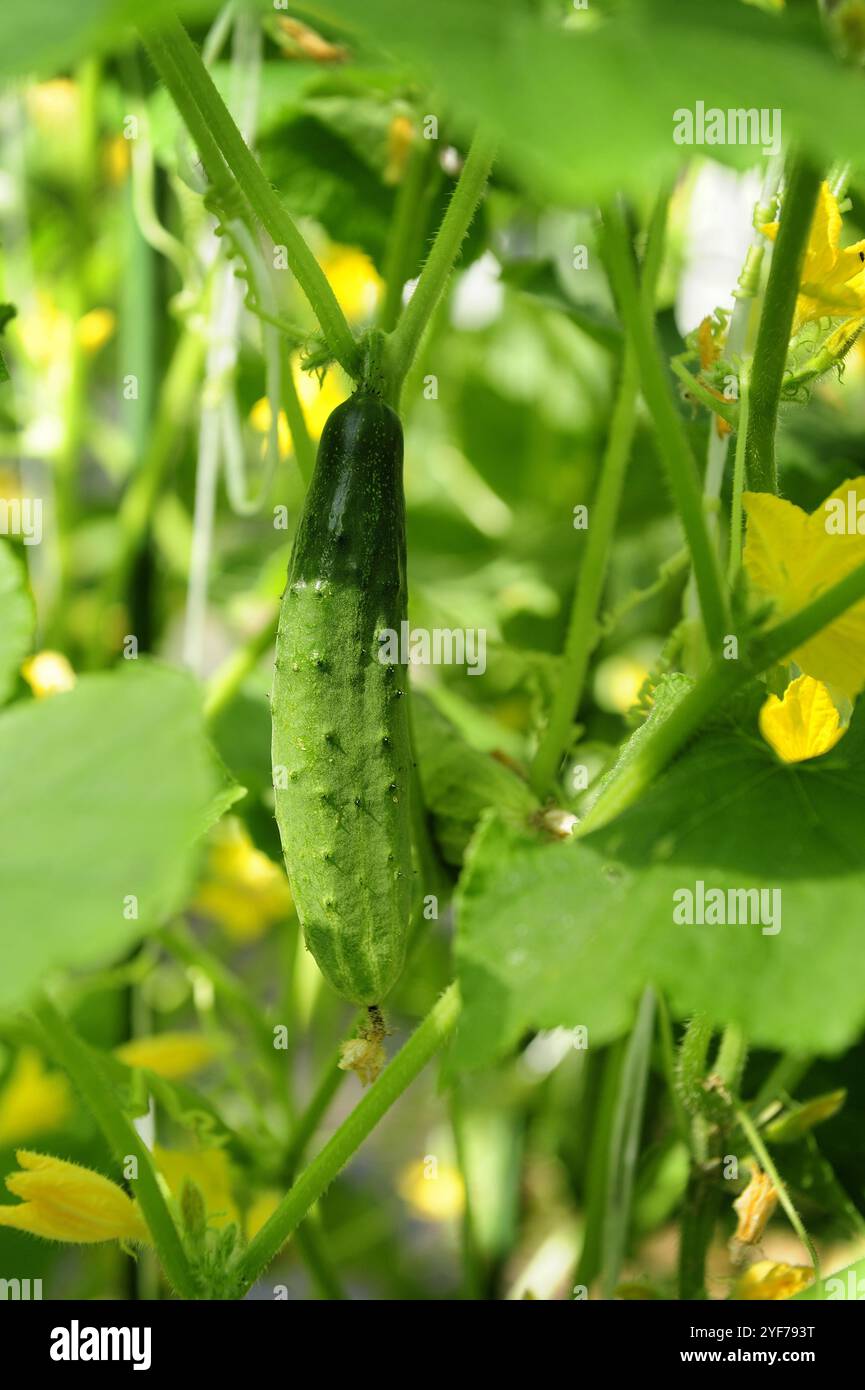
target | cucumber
[{"x": 341, "y": 743}]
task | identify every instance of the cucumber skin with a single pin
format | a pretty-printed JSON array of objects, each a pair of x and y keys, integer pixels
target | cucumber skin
[{"x": 340, "y": 716}]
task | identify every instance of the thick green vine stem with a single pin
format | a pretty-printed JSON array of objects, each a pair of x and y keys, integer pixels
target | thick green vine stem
[
  {"x": 716, "y": 686},
  {"x": 676, "y": 452},
  {"x": 583, "y": 631},
  {"x": 396, "y": 1077},
  {"x": 404, "y": 341},
  {"x": 222, "y": 148},
  {"x": 776, "y": 321},
  {"x": 73, "y": 1055}
]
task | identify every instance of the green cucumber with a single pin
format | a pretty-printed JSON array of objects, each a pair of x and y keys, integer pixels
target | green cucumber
[{"x": 341, "y": 744}]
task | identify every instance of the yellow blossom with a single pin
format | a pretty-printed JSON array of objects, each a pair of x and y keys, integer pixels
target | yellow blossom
[
  {"x": 34, "y": 1100},
  {"x": 261, "y": 1210},
  {"x": 434, "y": 1192},
  {"x": 400, "y": 137},
  {"x": 209, "y": 1169},
  {"x": 354, "y": 280},
  {"x": 45, "y": 333},
  {"x": 767, "y": 1280},
  {"x": 54, "y": 105},
  {"x": 754, "y": 1206},
  {"x": 63, "y": 1201},
  {"x": 833, "y": 277},
  {"x": 805, "y": 724},
  {"x": 791, "y": 557},
  {"x": 48, "y": 673},
  {"x": 170, "y": 1055},
  {"x": 260, "y": 418},
  {"x": 243, "y": 891},
  {"x": 95, "y": 328},
  {"x": 116, "y": 158}
]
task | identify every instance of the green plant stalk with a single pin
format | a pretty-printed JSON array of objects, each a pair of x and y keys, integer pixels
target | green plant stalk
[
  {"x": 403, "y": 343},
  {"x": 435, "y": 1029},
  {"x": 227, "y": 679},
  {"x": 312, "y": 1247},
  {"x": 739, "y": 475},
  {"x": 720, "y": 681},
  {"x": 583, "y": 631},
  {"x": 70, "y": 1053},
  {"x": 410, "y": 213},
  {"x": 221, "y": 144},
  {"x": 598, "y": 1170},
  {"x": 668, "y": 1060},
  {"x": 625, "y": 1141},
  {"x": 676, "y": 452},
  {"x": 754, "y": 1138},
  {"x": 702, "y": 1204},
  {"x": 776, "y": 322}
]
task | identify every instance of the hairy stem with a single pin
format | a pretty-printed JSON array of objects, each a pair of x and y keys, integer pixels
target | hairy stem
[
  {"x": 222, "y": 148},
  {"x": 675, "y": 449},
  {"x": 396, "y": 1077},
  {"x": 776, "y": 322},
  {"x": 430, "y": 287},
  {"x": 583, "y": 627}
]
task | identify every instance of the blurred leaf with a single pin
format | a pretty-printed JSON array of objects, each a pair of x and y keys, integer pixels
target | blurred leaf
[
  {"x": 16, "y": 619},
  {"x": 566, "y": 934},
  {"x": 586, "y": 109},
  {"x": 54, "y": 34},
  {"x": 459, "y": 782},
  {"x": 795, "y": 1124},
  {"x": 105, "y": 790}
]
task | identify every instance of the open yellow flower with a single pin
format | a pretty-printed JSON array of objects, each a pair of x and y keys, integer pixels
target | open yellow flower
[
  {"x": 768, "y": 1280},
  {"x": 436, "y": 1195},
  {"x": 791, "y": 557},
  {"x": 354, "y": 280},
  {"x": 34, "y": 1100},
  {"x": 63, "y": 1201},
  {"x": 170, "y": 1055},
  {"x": 805, "y": 724},
  {"x": 243, "y": 891},
  {"x": 833, "y": 277},
  {"x": 318, "y": 399},
  {"x": 48, "y": 673},
  {"x": 210, "y": 1170}
]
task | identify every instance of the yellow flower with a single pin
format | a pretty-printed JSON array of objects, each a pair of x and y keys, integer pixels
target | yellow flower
[
  {"x": 95, "y": 328},
  {"x": 45, "y": 333},
  {"x": 767, "y": 1280},
  {"x": 33, "y": 1101},
  {"x": 434, "y": 1192},
  {"x": 63, "y": 1201},
  {"x": 260, "y": 417},
  {"x": 754, "y": 1207},
  {"x": 400, "y": 137},
  {"x": 791, "y": 558},
  {"x": 354, "y": 280},
  {"x": 243, "y": 891},
  {"x": 54, "y": 105},
  {"x": 116, "y": 159},
  {"x": 805, "y": 724},
  {"x": 833, "y": 278},
  {"x": 48, "y": 673},
  {"x": 210, "y": 1170},
  {"x": 170, "y": 1055},
  {"x": 261, "y": 1210}
]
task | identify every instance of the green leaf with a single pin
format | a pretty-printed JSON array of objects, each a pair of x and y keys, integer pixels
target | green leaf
[
  {"x": 847, "y": 1283},
  {"x": 586, "y": 107},
  {"x": 53, "y": 34},
  {"x": 16, "y": 619},
  {"x": 105, "y": 790},
  {"x": 567, "y": 934},
  {"x": 459, "y": 782}
]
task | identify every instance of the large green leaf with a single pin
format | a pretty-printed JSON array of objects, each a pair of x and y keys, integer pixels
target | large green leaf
[
  {"x": 53, "y": 34},
  {"x": 567, "y": 934},
  {"x": 16, "y": 619},
  {"x": 586, "y": 109},
  {"x": 105, "y": 790}
]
